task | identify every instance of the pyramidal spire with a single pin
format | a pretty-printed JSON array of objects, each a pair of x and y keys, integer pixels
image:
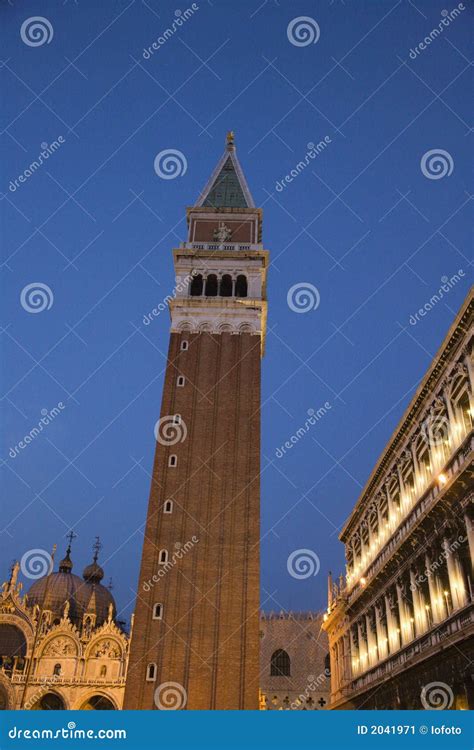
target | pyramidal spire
[{"x": 227, "y": 186}]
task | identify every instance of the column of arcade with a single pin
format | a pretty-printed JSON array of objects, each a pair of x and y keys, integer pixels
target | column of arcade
[{"x": 426, "y": 593}]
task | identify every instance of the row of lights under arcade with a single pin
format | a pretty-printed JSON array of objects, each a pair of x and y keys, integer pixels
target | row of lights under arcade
[
  {"x": 407, "y": 502},
  {"x": 420, "y": 484}
]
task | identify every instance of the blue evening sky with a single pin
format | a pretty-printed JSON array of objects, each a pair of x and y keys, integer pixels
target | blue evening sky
[{"x": 96, "y": 224}]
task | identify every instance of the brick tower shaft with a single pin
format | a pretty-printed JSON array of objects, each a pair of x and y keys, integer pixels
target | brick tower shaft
[{"x": 195, "y": 641}]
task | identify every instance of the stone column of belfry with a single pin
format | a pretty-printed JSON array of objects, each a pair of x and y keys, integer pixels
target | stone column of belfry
[{"x": 202, "y": 651}]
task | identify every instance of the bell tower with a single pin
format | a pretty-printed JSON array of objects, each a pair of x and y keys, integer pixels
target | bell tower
[{"x": 195, "y": 642}]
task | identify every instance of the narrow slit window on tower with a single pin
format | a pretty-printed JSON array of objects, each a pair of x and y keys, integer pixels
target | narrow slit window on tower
[
  {"x": 241, "y": 286},
  {"x": 150, "y": 672},
  {"x": 163, "y": 557},
  {"x": 184, "y": 346},
  {"x": 168, "y": 506},
  {"x": 157, "y": 611},
  {"x": 196, "y": 286},
  {"x": 226, "y": 286},
  {"x": 173, "y": 460},
  {"x": 177, "y": 419},
  {"x": 180, "y": 381},
  {"x": 211, "y": 285}
]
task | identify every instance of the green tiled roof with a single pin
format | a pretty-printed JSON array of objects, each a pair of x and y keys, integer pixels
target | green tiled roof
[{"x": 226, "y": 190}]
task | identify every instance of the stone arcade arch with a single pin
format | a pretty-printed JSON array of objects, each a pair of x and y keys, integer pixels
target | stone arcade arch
[
  {"x": 50, "y": 702},
  {"x": 98, "y": 702}
]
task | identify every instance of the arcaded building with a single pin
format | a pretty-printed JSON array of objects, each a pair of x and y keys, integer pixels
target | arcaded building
[
  {"x": 401, "y": 625},
  {"x": 60, "y": 644},
  {"x": 294, "y": 662}
]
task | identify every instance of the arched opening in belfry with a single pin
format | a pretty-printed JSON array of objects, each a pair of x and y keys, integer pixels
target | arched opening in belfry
[
  {"x": 241, "y": 286},
  {"x": 211, "y": 285},
  {"x": 226, "y": 286},
  {"x": 196, "y": 286}
]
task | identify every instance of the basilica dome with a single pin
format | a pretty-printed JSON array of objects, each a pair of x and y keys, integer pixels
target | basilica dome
[{"x": 83, "y": 595}]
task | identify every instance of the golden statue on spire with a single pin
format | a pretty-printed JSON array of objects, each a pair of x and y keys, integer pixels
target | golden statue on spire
[{"x": 230, "y": 138}]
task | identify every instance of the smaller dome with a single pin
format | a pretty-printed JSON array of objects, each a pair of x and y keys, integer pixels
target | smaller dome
[
  {"x": 65, "y": 565},
  {"x": 93, "y": 573}
]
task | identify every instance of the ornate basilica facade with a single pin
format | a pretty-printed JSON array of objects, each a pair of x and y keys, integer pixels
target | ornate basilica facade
[
  {"x": 60, "y": 646},
  {"x": 401, "y": 625}
]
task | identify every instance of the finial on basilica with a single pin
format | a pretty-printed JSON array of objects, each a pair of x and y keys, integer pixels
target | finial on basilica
[
  {"x": 96, "y": 547},
  {"x": 93, "y": 573},
  {"x": 15, "y": 569},
  {"x": 67, "y": 607},
  {"x": 230, "y": 140},
  {"x": 65, "y": 566}
]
